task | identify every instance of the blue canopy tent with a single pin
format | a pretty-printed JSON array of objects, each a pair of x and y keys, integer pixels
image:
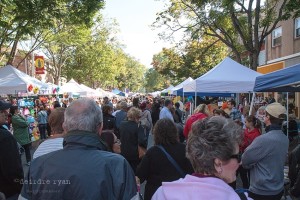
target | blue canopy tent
[
  {"x": 284, "y": 80},
  {"x": 118, "y": 92}
]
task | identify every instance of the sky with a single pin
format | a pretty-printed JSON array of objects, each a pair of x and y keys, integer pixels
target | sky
[{"x": 134, "y": 18}]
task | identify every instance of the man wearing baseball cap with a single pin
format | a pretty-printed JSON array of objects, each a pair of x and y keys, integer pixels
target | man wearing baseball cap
[
  {"x": 266, "y": 157},
  {"x": 11, "y": 171}
]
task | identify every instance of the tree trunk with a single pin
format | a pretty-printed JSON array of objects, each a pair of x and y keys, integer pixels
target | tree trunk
[
  {"x": 253, "y": 57},
  {"x": 13, "y": 53},
  {"x": 56, "y": 80}
]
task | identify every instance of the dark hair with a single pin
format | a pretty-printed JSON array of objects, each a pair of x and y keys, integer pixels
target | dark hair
[
  {"x": 167, "y": 102},
  {"x": 56, "y": 104},
  {"x": 13, "y": 110},
  {"x": 106, "y": 108},
  {"x": 232, "y": 102},
  {"x": 177, "y": 105},
  {"x": 108, "y": 137},
  {"x": 165, "y": 132},
  {"x": 135, "y": 102},
  {"x": 256, "y": 122}
]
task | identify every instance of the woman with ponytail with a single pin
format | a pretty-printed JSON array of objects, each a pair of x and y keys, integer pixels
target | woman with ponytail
[{"x": 253, "y": 130}]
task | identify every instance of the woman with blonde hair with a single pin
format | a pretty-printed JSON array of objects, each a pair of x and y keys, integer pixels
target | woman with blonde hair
[
  {"x": 200, "y": 112},
  {"x": 132, "y": 135}
]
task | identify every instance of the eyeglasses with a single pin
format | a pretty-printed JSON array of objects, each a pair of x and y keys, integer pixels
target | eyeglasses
[
  {"x": 238, "y": 157},
  {"x": 117, "y": 142}
]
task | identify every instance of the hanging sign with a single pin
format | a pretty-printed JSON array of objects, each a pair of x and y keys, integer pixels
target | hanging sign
[{"x": 39, "y": 64}]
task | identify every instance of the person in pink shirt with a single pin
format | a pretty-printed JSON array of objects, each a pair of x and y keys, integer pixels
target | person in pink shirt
[{"x": 213, "y": 149}]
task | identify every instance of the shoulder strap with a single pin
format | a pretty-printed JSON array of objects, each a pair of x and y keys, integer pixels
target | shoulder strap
[
  {"x": 242, "y": 196},
  {"x": 181, "y": 172},
  {"x": 241, "y": 193}
]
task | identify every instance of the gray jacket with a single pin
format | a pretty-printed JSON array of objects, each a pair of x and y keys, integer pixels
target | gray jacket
[
  {"x": 265, "y": 157},
  {"x": 81, "y": 170}
]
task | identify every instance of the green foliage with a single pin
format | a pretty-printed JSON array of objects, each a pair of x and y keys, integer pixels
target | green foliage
[
  {"x": 194, "y": 60},
  {"x": 98, "y": 61},
  {"x": 292, "y": 9},
  {"x": 241, "y": 26},
  {"x": 154, "y": 81},
  {"x": 21, "y": 19}
]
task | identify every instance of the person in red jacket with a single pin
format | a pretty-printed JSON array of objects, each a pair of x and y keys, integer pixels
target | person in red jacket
[
  {"x": 252, "y": 131},
  {"x": 200, "y": 112}
]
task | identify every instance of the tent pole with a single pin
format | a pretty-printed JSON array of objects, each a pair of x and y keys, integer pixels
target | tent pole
[
  {"x": 287, "y": 115},
  {"x": 195, "y": 99},
  {"x": 252, "y": 102},
  {"x": 183, "y": 105}
]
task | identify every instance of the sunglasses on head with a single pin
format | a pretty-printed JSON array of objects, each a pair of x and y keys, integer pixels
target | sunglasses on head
[{"x": 238, "y": 157}]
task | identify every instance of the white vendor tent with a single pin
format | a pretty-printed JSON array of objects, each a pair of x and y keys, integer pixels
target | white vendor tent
[
  {"x": 167, "y": 90},
  {"x": 90, "y": 91},
  {"x": 13, "y": 81},
  {"x": 105, "y": 93},
  {"x": 73, "y": 87},
  {"x": 226, "y": 77},
  {"x": 179, "y": 88}
]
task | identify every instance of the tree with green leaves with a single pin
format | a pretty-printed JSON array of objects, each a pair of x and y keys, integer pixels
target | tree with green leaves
[
  {"x": 154, "y": 81},
  {"x": 195, "y": 59},
  {"x": 22, "y": 19},
  {"x": 169, "y": 63},
  {"x": 241, "y": 25}
]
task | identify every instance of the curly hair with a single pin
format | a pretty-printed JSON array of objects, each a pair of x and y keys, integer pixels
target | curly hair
[
  {"x": 133, "y": 113},
  {"x": 212, "y": 138},
  {"x": 255, "y": 122},
  {"x": 165, "y": 132}
]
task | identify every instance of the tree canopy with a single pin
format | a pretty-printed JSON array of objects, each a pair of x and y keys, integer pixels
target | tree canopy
[
  {"x": 241, "y": 25},
  {"x": 193, "y": 60}
]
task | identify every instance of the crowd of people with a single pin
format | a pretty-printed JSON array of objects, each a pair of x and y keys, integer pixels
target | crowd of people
[{"x": 99, "y": 150}]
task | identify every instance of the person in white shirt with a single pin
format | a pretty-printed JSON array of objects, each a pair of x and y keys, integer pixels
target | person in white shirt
[{"x": 55, "y": 142}]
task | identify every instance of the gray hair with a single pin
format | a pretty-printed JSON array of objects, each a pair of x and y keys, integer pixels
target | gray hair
[
  {"x": 212, "y": 138},
  {"x": 84, "y": 115}
]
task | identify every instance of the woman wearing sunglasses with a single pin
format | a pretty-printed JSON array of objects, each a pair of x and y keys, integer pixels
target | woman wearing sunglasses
[{"x": 213, "y": 149}]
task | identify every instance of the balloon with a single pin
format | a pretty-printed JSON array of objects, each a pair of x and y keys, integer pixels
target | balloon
[{"x": 30, "y": 87}]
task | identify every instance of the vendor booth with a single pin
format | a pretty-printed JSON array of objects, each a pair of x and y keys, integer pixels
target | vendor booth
[{"x": 13, "y": 81}]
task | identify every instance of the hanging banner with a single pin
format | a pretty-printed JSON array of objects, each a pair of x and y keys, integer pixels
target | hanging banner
[{"x": 39, "y": 64}]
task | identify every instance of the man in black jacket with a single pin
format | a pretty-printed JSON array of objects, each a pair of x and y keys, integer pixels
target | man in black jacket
[
  {"x": 11, "y": 171},
  {"x": 83, "y": 169},
  {"x": 294, "y": 171}
]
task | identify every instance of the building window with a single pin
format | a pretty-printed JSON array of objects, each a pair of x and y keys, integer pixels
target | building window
[
  {"x": 276, "y": 36},
  {"x": 297, "y": 27}
]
